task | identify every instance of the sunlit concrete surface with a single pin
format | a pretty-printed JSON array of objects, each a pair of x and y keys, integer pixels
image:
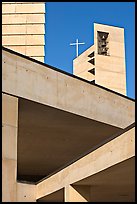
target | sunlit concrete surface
[
  {"x": 23, "y": 28},
  {"x": 108, "y": 155},
  {"x": 56, "y": 89},
  {"x": 115, "y": 184},
  {"x": 109, "y": 69},
  {"x": 74, "y": 135}
]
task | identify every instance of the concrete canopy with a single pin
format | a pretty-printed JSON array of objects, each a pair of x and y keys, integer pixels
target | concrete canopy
[
  {"x": 60, "y": 121},
  {"x": 36, "y": 81},
  {"x": 60, "y": 116},
  {"x": 110, "y": 167},
  {"x": 49, "y": 138},
  {"x": 117, "y": 183}
]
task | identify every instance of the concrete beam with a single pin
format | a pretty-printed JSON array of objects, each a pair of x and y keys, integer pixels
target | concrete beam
[
  {"x": 25, "y": 78},
  {"x": 102, "y": 158}
]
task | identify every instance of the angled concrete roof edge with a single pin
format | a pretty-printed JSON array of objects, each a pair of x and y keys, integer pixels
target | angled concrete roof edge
[
  {"x": 66, "y": 73},
  {"x": 95, "y": 23},
  {"x": 84, "y": 154},
  {"x": 37, "y": 102}
]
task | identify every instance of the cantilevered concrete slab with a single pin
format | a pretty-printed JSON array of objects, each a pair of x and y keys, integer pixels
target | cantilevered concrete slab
[
  {"x": 65, "y": 118},
  {"x": 115, "y": 184},
  {"x": 49, "y": 138},
  {"x": 107, "y": 171},
  {"x": 26, "y": 78},
  {"x": 56, "y": 119}
]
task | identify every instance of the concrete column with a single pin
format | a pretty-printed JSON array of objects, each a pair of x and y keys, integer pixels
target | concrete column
[
  {"x": 77, "y": 193},
  {"x": 26, "y": 192},
  {"x": 9, "y": 147}
]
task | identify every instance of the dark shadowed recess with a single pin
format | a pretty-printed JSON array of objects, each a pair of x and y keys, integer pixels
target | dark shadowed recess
[{"x": 49, "y": 138}]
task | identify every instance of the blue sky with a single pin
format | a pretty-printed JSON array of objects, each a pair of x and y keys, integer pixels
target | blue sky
[{"x": 67, "y": 21}]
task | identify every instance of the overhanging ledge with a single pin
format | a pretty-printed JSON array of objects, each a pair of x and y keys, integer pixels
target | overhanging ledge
[
  {"x": 26, "y": 78},
  {"x": 102, "y": 158}
]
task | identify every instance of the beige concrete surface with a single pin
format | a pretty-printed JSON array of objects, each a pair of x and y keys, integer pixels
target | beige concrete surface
[
  {"x": 41, "y": 59},
  {"x": 95, "y": 177},
  {"x": 35, "y": 51},
  {"x": 81, "y": 64},
  {"x": 110, "y": 71},
  {"x": 23, "y": 40},
  {"x": 26, "y": 192},
  {"x": 18, "y": 71},
  {"x": 14, "y": 30},
  {"x": 102, "y": 158},
  {"x": 9, "y": 171},
  {"x": 106, "y": 73},
  {"x": 25, "y": 8},
  {"x": 86, "y": 75},
  {"x": 23, "y": 24},
  {"x": 19, "y": 49},
  {"x": 9, "y": 110},
  {"x": 42, "y": 81},
  {"x": 31, "y": 51},
  {"x": 19, "y": 2},
  {"x": 22, "y": 19},
  {"x": 114, "y": 184},
  {"x": 9, "y": 147},
  {"x": 72, "y": 195},
  {"x": 9, "y": 142}
]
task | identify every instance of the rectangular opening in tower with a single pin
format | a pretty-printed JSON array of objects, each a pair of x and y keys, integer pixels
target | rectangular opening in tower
[{"x": 103, "y": 43}]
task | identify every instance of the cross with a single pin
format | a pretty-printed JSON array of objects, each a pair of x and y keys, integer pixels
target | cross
[{"x": 77, "y": 43}]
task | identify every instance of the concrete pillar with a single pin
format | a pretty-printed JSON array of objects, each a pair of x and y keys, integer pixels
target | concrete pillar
[
  {"x": 77, "y": 193},
  {"x": 9, "y": 147},
  {"x": 26, "y": 192}
]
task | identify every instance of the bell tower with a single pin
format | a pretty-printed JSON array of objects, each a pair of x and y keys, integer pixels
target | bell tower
[{"x": 104, "y": 62}]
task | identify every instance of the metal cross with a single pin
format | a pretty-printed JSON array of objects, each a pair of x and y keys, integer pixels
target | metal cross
[{"x": 77, "y": 43}]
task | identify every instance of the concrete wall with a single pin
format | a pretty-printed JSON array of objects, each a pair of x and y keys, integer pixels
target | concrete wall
[
  {"x": 117, "y": 150},
  {"x": 23, "y": 28},
  {"x": 24, "y": 78},
  {"x": 12, "y": 191},
  {"x": 9, "y": 147},
  {"x": 110, "y": 71},
  {"x": 81, "y": 66},
  {"x": 27, "y": 79}
]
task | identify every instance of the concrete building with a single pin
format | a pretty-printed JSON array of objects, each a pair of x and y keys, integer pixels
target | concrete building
[
  {"x": 64, "y": 138},
  {"x": 104, "y": 62},
  {"x": 23, "y": 28}
]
